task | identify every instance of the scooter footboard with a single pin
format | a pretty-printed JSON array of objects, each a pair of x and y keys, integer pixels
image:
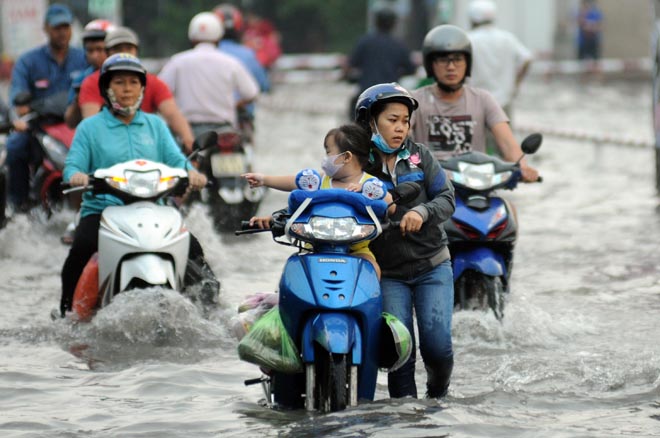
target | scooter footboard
[
  {"x": 336, "y": 332},
  {"x": 483, "y": 260}
]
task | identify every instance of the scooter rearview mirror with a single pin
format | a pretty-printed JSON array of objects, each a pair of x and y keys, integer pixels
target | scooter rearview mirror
[
  {"x": 405, "y": 192},
  {"x": 531, "y": 143},
  {"x": 204, "y": 141}
]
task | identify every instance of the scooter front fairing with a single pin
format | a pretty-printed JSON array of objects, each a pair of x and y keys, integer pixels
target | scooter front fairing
[
  {"x": 128, "y": 232},
  {"x": 334, "y": 300}
]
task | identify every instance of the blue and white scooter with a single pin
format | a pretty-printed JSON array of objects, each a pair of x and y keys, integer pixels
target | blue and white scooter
[
  {"x": 482, "y": 231},
  {"x": 329, "y": 301}
]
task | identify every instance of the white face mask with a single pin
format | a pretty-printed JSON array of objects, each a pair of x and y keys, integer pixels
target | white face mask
[
  {"x": 329, "y": 167},
  {"x": 124, "y": 111}
]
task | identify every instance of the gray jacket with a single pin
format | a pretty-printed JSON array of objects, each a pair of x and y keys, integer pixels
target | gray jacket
[{"x": 406, "y": 257}]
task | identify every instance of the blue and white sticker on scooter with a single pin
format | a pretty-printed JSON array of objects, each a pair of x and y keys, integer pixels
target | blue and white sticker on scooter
[
  {"x": 308, "y": 180},
  {"x": 373, "y": 188}
]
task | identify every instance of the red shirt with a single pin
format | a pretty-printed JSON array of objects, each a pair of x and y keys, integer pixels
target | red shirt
[{"x": 155, "y": 92}]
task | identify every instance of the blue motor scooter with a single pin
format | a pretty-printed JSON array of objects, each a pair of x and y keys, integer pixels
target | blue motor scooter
[
  {"x": 482, "y": 231},
  {"x": 329, "y": 301}
]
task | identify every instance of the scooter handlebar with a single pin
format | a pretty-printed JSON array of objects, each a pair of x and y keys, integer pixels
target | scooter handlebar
[{"x": 246, "y": 228}]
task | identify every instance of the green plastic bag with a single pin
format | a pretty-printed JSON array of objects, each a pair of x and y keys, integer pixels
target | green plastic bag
[
  {"x": 395, "y": 343},
  {"x": 269, "y": 345}
]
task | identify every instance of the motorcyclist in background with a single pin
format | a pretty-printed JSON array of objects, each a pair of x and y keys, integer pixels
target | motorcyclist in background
[
  {"x": 93, "y": 40},
  {"x": 232, "y": 20},
  {"x": 453, "y": 117},
  {"x": 208, "y": 85},
  {"x": 378, "y": 57},
  {"x": 98, "y": 143},
  {"x": 157, "y": 96},
  {"x": 44, "y": 72}
]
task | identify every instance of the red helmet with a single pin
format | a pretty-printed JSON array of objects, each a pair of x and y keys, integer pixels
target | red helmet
[
  {"x": 231, "y": 17},
  {"x": 97, "y": 29}
]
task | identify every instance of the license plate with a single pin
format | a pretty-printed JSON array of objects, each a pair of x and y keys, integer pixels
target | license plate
[{"x": 227, "y": 165}]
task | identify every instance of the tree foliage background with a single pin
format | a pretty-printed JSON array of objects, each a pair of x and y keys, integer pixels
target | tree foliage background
[{"x": 305, "y": 25}]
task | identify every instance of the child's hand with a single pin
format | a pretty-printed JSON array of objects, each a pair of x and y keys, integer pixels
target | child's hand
[
  {"x": 262, "y": 222},
  {"x": 354, "y": 187},
  {"x": 254, "y": 179}
]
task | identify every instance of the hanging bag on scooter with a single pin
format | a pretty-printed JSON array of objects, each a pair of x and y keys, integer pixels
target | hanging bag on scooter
[{"x": 269, "y": 345}]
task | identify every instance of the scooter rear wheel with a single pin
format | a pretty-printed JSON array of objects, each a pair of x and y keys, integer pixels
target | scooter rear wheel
[{"x": 476, "y": 291}]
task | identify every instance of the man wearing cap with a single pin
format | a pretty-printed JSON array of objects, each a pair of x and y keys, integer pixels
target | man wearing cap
[
  {"x": 46, "y": 72},
  {"x": 157, "y": 95}
]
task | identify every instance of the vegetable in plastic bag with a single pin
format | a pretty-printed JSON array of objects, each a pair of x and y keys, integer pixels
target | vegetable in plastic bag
[{"x": 269, "y": 345}]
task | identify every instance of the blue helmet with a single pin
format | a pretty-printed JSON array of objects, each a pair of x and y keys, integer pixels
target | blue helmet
[{"x": 381, "y": 94}]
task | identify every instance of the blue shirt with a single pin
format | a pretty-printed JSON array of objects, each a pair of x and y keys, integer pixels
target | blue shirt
[
  {"x": 38, "y": 72},
  {"x": 381, "y": 58},
  {"x": 103, "y": 140},
  {"x": 77, "y": 82},
  {"x": 249, "y": 60}
]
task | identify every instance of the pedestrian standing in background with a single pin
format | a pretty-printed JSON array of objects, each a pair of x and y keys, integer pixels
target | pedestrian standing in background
[
  {"x": 208, "y": 85},
  {"x": 589, "y": 34},
  {"x": 500, "y": 60},
  {"x": 378, "y": 57},
  {"x": 46, "y": 73},
  {"x": 590, "y": 22}
]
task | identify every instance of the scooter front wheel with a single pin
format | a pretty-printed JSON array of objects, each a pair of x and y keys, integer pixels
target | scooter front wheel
[{"x": 331, "y": 378}]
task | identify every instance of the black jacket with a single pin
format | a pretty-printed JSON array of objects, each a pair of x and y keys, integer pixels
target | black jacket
[{"x": 408, "y": 256}]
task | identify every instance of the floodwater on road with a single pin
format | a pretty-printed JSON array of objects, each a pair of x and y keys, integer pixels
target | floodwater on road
[{"x": 577, "y": 354}]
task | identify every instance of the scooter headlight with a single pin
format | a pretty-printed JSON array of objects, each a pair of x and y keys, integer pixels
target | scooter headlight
[
  {"x": 478, "y": 176},
  {"x": 143, "y": 184},
  {"x": 340, "y": 230}
]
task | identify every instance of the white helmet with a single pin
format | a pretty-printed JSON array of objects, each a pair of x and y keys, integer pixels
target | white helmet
[
  {"x": 482, "y": 11},
  {"x": 206, "y": 27}
]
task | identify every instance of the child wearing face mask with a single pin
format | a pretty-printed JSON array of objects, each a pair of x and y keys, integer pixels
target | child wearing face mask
[{"x": 347, "y": 151}]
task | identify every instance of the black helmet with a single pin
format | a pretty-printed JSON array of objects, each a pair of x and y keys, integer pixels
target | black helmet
[
  {"x": 120, "y": 62},
  {"x": 443, "y": 39},
  {"x": 381, "y": 94}
]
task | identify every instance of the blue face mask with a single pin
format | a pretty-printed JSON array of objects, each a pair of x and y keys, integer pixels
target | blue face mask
[{"x": 381, "y": 144}]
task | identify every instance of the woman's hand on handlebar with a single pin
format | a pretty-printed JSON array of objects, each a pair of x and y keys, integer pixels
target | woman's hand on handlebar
[
  {"x": 411, "y": 222},
  {"x": 79, "y": 179},
  {"x": 196, "y": 180}
]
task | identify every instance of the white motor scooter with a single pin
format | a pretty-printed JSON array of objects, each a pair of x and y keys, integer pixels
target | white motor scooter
[{"x": 142, "y": 243}]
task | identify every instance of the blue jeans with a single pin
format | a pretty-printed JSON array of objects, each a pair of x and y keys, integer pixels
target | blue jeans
[
  {"x": 18, "y": 162},
  {"x": 431, "y": 297}
]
